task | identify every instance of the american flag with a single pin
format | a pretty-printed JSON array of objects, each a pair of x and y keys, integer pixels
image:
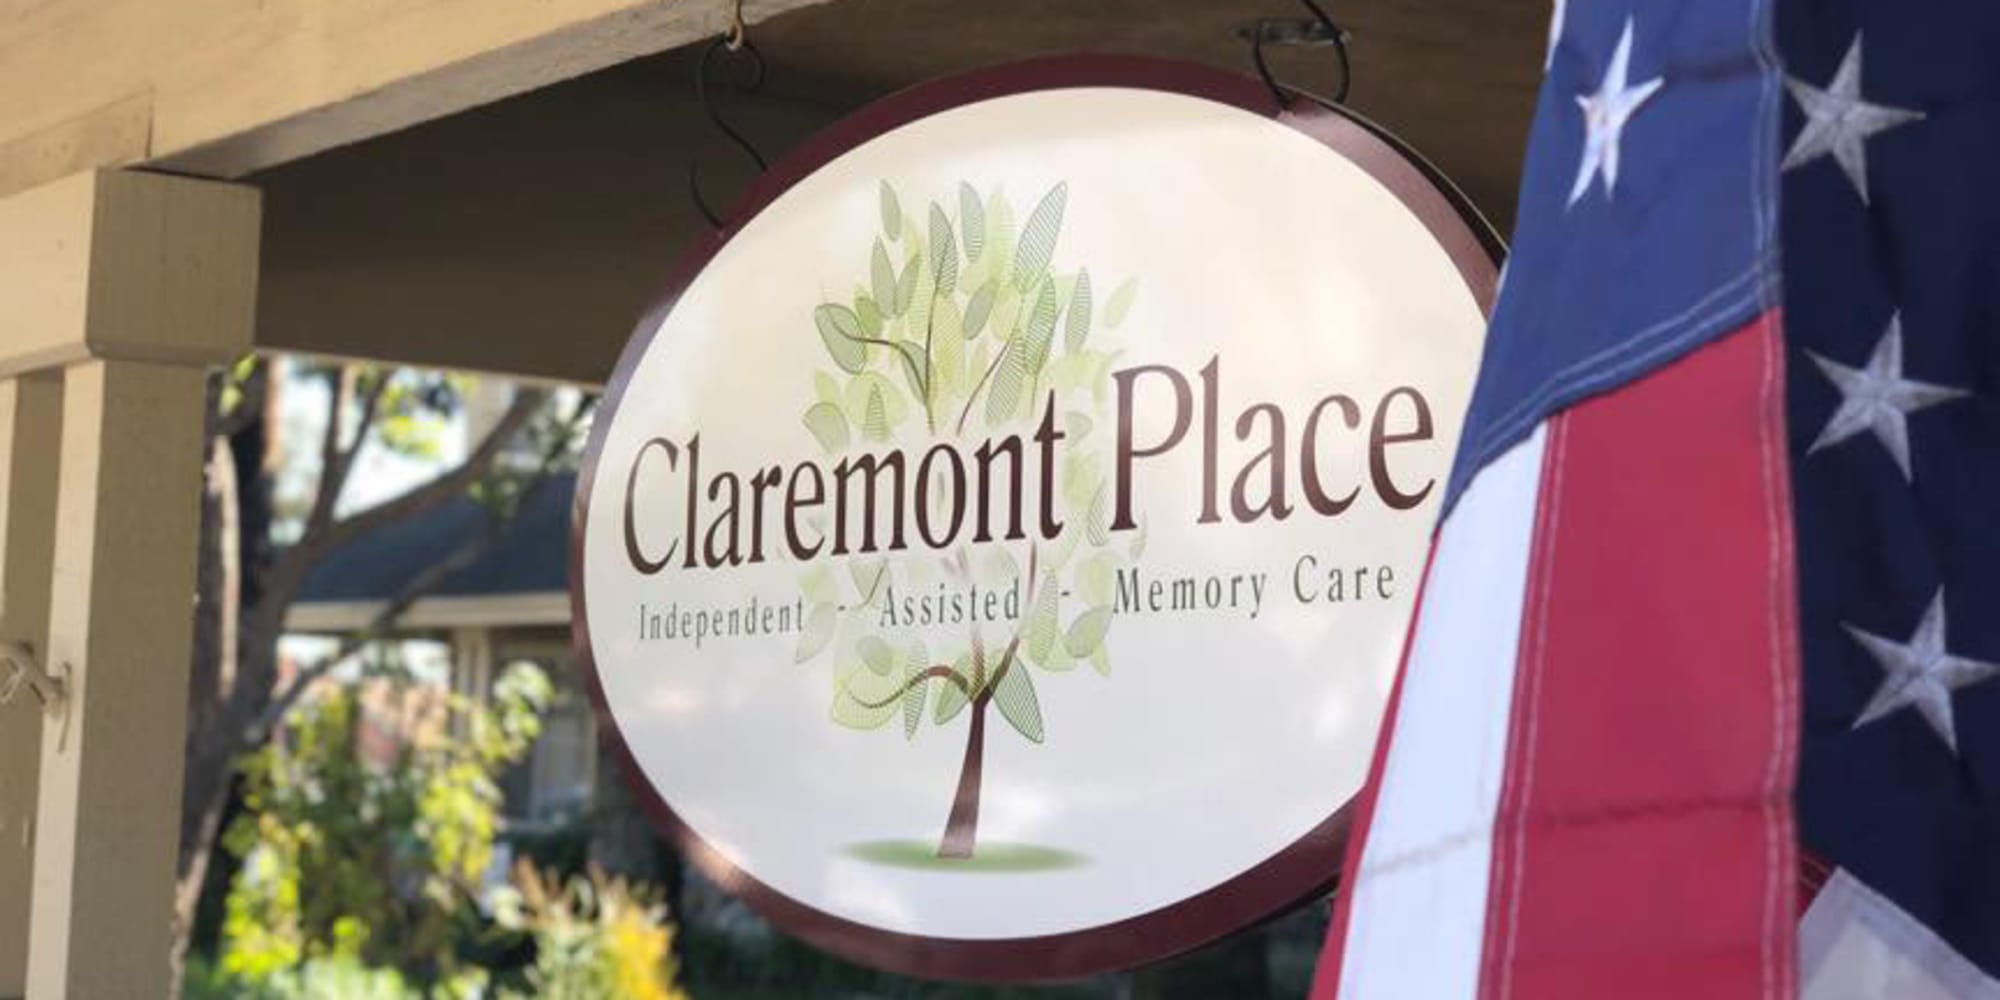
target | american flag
[{"x": 1702, "y": 698}]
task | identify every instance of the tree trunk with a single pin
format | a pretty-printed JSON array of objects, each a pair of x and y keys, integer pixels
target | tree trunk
[
  {"x": 961, "y": 828},
  {"x": 229, "y": 665}
]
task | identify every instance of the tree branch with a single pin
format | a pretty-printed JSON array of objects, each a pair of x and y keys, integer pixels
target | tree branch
[
  {"x": 423, "y": 583},
  {"x": 433, "y": 576},
  {"x": 336, "y": 462},
  {"x": 430, "y": 496},
  {"x": 940, "y": 671},
  {"x": 981, "y": 384}
]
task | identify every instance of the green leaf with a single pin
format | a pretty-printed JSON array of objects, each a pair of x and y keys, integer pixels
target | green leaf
[
  {"x": 916, "y": 691},
  {"x": 870, "y": 316},
  {"x": 876, "y": 655},
  {"x": 825, "y": 389},
  {"x": 947, "y": 349},
  {"x": 951, "y": 698},
  {"x": 1077, "y": 425},
  {"x": 1001, "y": 569},
  {"x": 906, "y": 288},
  {"x": 1038, "y": 633},
  {"x": 1038, "y": 237},
  {"x": 868, "y": 576},
  {"x": 978, "y": 309},
  {"x": 819, "y": 586},
  {"x": 1079, "y": 313},
  {"x": 944, "y": 251},
  {"x": 861, "y": 394},
  {"x": 911, "y": 373},
  {"x": 840, "y": 329},
  {"x": 1100, "y": 661},
  {"x": 819, "y": 629},
  {"x": 1097, "y": 518},
  {"x": 1087, "y": 632},
  {"x": 971, "y": 220},
  {"x": 1040, "y": 330},
  {"x": 892, "y": 212},
  {"x": 828, "y": 426},
  {"x": 1096, "y": 578},
  {"x": 876, "y": 423},
  {"x": 912, "y": 356},
  {"x": 1015, "y": 697},
  {"x": 1006, "y": 311},
  {"x": 1121, "y": 302},
  {"x": 1000, "y": 237},
  {"x": 882, "y": 279},
  {"x": 1009, "y": 384}
]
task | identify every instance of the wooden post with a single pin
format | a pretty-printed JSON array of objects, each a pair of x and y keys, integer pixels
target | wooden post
[
  {"x": 30, "y": 433},
  {"x": 120, "y": 625},
  {"x": 131, "y": 285}
]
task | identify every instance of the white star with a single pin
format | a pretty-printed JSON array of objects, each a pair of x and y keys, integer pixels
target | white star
[
  {"x": 1604, "y": 116},
  {"x": 1839, "y": 122},
  {"x": 1555, "y": 33},
  {"x": 1878, "y": 398},
  {"x": 1921, "y": 674}
]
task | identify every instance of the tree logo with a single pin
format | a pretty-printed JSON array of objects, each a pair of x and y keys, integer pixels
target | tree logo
[{"x": 979, "y": 327}]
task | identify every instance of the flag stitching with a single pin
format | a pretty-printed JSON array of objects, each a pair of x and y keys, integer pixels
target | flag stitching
[
  {"x": 1778, "y": 972},
  {"x": 1584, "y": 377},
  {"x": 1545, "y": 569}
]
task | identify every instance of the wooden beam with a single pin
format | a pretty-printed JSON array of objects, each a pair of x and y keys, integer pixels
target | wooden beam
[
  {"x": 30, "y": 441},
  {"x": 115, "y": 135},
  {"x": 126, "y": 264},
  {"x": 233, "y": 85}
]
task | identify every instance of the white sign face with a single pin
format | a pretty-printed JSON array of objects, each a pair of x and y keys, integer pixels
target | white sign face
[{"x": 1011, "y": 531}]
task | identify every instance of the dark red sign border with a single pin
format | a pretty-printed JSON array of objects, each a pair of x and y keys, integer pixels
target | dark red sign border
[{"x": 1306, "y": 868}]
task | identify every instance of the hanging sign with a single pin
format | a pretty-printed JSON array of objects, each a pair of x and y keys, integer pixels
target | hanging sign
[{"x": 993, "y": 555}]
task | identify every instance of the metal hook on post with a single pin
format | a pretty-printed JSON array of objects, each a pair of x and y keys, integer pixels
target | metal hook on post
[
  {"x": 744, "y": 71},
  {"x": 1314, "y": 32},
  {"x": 24, "y": 671}
]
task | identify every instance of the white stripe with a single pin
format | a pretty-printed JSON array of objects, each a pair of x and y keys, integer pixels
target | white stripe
[
  {"x": 1418, "y": 917},
  {"x": 1855, "y": 943}
]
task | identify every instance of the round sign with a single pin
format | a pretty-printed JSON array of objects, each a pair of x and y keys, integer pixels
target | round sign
[{"x": 993, "y": 555}]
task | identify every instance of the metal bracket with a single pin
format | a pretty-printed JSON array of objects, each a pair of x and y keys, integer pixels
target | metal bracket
[{"x": 25, "y": 671}]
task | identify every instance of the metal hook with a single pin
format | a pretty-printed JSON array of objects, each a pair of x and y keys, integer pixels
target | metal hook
[
  {"x": 736, "y": 36},
  {"x": 740, "y": 54},
  {"x": 25, "y": 670},
  {"x": 1316, "y": 31}
]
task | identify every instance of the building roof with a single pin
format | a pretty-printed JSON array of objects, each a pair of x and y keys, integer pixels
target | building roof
[{"x": 532, "y": 557}]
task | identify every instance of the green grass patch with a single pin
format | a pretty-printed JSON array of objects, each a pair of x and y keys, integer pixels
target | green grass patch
[{"x": 991, "y": 858}]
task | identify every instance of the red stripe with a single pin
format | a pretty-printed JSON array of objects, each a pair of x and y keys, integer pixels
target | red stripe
[
  {"x": 1644, "y": 840},
  {"x": 1326, "y": 978}
]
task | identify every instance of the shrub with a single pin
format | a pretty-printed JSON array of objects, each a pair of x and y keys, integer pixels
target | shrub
[
  {"x": 365, "y": 839},
  {"x": 594, "y": 937}
]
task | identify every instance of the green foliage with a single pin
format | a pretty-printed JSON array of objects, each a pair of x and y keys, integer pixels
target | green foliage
[
  {"x": 365, "y": 842},
  {"x": 415, "y": 407},
  {"x": 594, "y": 937},
  {"x": 963, "y": 336},
  {"x": 241, "y": 371},
  {"x": 338, "y": 978}
]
